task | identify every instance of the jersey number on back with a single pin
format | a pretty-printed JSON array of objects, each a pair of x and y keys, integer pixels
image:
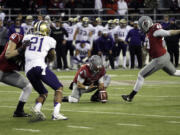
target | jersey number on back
[{"x": 36, "y": 44}]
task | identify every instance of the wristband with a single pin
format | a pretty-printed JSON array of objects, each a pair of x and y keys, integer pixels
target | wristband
[{"x": 86, "y": 87}]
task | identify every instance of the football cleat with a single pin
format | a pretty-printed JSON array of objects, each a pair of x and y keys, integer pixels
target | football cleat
[
  {"x": 21, "y": 114},
  {"x": 65, "y": 99},
  {"x": 37, "y": 115},
  {"x": 126, "y": 98},
  {"x": 59, "y": 117}
]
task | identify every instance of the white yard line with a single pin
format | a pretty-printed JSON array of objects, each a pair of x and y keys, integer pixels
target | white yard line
[
  {"x": 113, "y": 95},
  {"x": 110, "y": 113},
  {"x": 129, "y": 124},
  {"x": 82, "y": 127},
  {"x": 174, "y": 122},
  {"x": 29, "y": 130}
]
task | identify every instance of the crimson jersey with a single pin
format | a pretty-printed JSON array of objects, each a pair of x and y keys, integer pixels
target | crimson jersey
[
  {"x": 89, "y": 77},
  {"x": 156, "y": 43},
  {"x": 6, "y": 65}
]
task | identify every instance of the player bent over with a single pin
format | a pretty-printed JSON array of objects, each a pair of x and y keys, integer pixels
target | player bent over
[
  {"x": 9, "y": 63},
  {"x": 37, "y": 71},
  {"x": 160, "y": 57},
  {"x": 90, "y": 77}
]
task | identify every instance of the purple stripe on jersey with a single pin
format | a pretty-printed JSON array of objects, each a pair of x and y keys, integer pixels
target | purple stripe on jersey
[{"x": 36, "y": 78}]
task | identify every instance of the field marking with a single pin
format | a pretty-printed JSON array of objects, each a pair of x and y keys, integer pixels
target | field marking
[
  {"x": 110, "y": 113},
  {"x": 113, "y": 95},
  {"x": 82, "y": 127},
  {"x": 29, "y": 130},
  {"x": 174, "y": 122},
  {"x": 129, "y": 124}
]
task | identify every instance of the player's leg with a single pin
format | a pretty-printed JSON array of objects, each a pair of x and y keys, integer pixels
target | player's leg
[
  {"x": 34, "y": 77},
  {"x": 132, "y": 55},
  {"x": 72, "y": 48},
  {"x": 149, "y": 69},
  {"x": 50, "y": 79},
  {"x": 19, "y": 81},
  {"x": 169, "y": 67},
  {"x": 176, "y": 53},
  {"x": 124, "y": 48}
]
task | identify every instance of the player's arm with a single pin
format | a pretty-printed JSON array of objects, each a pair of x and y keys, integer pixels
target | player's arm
[
  {"x": 51, "y": 55},
  {"x": 80, "y": 82},
  {"x": 11, "y": 50},
  {"x": 89, "y": 53},
  {"x": 75, "y": 34},
  {"x": 165, "y": 33},
  {"x": 101, "y": 83}
]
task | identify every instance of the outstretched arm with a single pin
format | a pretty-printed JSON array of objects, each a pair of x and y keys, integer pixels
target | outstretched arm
[{"x": 165, "y": 33}]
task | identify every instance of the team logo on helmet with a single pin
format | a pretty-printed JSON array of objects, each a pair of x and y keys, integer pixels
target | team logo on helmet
[{"x": 42, "y": 28}]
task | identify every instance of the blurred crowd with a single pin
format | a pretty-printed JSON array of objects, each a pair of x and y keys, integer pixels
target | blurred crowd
[
  {"x": 112, "y": 6},
  {"x": 119, "y": 42}
]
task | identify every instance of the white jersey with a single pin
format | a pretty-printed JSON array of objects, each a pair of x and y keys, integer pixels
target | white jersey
[
  {"x": 96, "y": 30},
  {"x": 83, "y": 33},
  {"x": 71, "y": 30},
  {"x": 122, "y": 32},
  {"x": 27, "y": 28},
  {"x": 35, "y": 53},
  {"x": 83, "y": 52}
]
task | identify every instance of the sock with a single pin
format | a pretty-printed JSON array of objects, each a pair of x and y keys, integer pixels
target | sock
[
  {"x": 57, "y": 107},
  {"x": 38, "y": 106},
  {"x": 124, "y": 61},
  {"x": 132, "y": 94},
  {"x": 20, "y": 106},
  {"x": 177, "y": 73},
  {"x": 139, "y": 83}
]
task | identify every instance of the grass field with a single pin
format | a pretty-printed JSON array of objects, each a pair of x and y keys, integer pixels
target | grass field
[{"x": 154, "y": 111}]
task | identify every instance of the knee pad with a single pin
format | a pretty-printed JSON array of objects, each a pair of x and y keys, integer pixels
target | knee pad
[
  {"x": 72, "y": 99},
  {"x": 140, "y": 77},
  {"x": 25, "y": 93}
]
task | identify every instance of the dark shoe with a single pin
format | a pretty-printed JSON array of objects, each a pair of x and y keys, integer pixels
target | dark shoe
[
  {"x": 126, "y": 98},
  {"x": 65, "y": 99},
  {"x": 21, "y": 114},
  {"x": 95, "y": 97}
]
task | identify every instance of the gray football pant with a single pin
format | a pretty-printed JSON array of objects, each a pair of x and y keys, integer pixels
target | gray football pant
[
  {"x": 162, "y": 62},
  {"x": 17, "y": 80},
  {"x": 14, "y": 79},
  {"x": 76, "y": 92}
]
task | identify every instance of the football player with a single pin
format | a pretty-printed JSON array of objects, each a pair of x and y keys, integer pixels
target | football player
[
  {"x": 10, "y": 59},
  {"x": 37, "y": 71},
  {"x": 83, "y": 31},
  {"x": 120, "y": 36},
  {"x": 70, "y": 28},
  {"x": 110, "y": 27},
  {"x": 90, "y": 77},
  {"x": 97, "y": 32},
  {"x": 116, "y": 22},
  {"x": 83, "y": 52},
  {"x": 28, "y": 25},
  {"x": 160, "y": 57}
]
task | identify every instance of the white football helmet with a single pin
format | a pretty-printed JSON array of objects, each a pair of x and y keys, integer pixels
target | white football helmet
[{"x": 145, "y": 22}]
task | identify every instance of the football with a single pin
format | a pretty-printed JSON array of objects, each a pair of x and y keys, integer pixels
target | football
[{"x": 103, "y": 96}]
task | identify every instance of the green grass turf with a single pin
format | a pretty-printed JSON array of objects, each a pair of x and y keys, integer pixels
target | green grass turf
[{"x": 155, "y": 110}]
